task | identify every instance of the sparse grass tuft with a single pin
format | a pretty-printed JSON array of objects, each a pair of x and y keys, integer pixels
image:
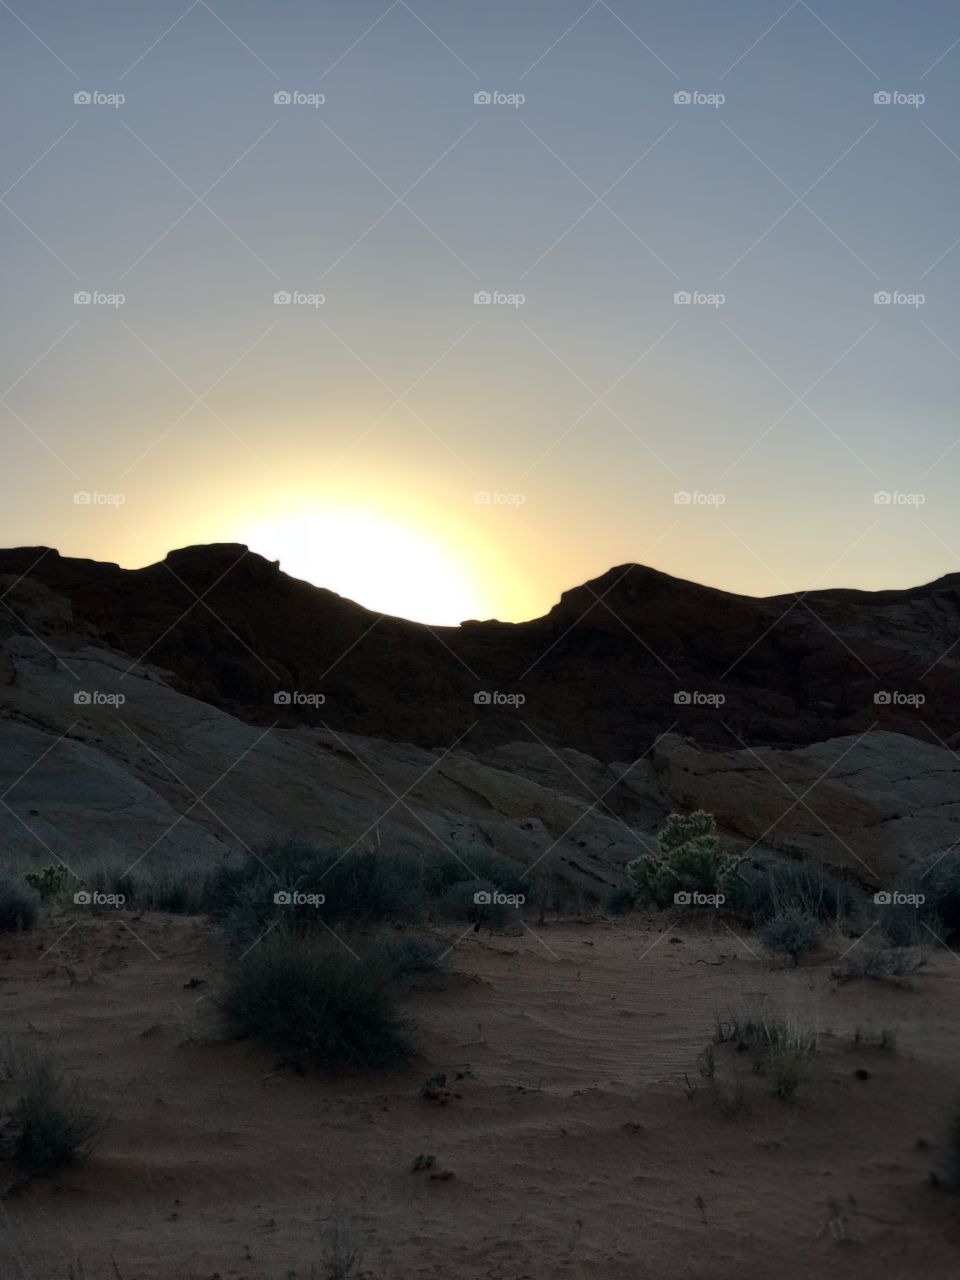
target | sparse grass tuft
[{"x": 783, "y": 1049}]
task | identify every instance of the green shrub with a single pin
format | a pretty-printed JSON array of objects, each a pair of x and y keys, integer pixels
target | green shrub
[
  {"x": 411, "y": 960},
  {"x": 881, "y": 964},
  {"x": 18, "y": 907},
  {"x": 48, "y": 1122},
  {"x": 358, "y": 886},
  {"x": 792, "y": 934},
  {"x": 445, "y": 869},
  {"x": 183, "y": 890},
  {"x": 50, "y": 882},
  {"x": 477, "y": 900},
  {"x": 937, "y": 918},
  {"x": 691, "y": 861},
  {"x": 618, "y": 900},
  {"x": 950, "y": 1179},
  {"x": 315, "y": 1004},
  {"x": 757, "y": 894}
]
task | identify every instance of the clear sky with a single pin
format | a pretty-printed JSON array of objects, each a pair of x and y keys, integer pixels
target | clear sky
[{"x": 440, "y": 458}]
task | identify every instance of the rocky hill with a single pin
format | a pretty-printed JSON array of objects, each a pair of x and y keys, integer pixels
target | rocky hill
[
  {"x": 617, "y": 661},
  {"x": 138, "y": 720}
]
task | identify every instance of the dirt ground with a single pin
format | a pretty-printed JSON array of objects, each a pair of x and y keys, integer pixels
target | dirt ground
[{"x": 574, "y": 1144}]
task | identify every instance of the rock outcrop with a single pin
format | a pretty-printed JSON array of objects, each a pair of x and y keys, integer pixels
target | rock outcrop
[{"x": 132, "y": 734}]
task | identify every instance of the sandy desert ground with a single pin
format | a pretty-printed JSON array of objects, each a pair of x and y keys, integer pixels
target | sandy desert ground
[{"x": 571, "y": 1147}]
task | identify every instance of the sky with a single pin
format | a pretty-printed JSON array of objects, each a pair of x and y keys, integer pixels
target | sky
[{"x": 677, "y": 288}]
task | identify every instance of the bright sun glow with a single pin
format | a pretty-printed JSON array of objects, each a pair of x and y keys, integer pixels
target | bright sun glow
[{"x": 379, "y": 563}]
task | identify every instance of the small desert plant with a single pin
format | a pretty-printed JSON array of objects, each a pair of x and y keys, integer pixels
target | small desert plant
[
  {"x": 949, "y": 1179},
  {"x": 344, "y": 1249},
  {"x": 792, "y": 934},
  {"x": 618, "y": 900},
  {"x": 49, "y": 883},
  {"x": 881, "y": 964},
  {"x": 885, "y": 1039},
  {"x": 48, "y": 1122},
  {"x": 691, "y": 861},
  {"x": 412, "y": 961},
  {"x": 481, "y": 902},
  {"x": 316, "y": 1004},
  {"x": 18, "y": 907}
]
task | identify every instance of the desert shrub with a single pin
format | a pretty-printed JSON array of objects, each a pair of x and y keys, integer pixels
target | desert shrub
[
  {"x": 792, "y": 934},
  {"x": 49, "y": 883},
  {"x": 316, "y": 1004},
  {"x": 690, "y": 861},
  {"x": 949, "y": 1179},
  {"x": 757, "y": 894},
  {"x": 881, "y": 964},
  {"x": 412, "y": 960},
  {"x": 618, "y": 900},
  {"x": 783, "y": 1049},
  {"x": 357, "y": 886},
  {"x": 937, "y": 918},
  {"x": 445, "y": 869},
  {"x": 48, "y": 1122},
  {"x": 176, "y": 890},
  {"x": 18, "y": 906},
  {"x": 477, "y": 900}
]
